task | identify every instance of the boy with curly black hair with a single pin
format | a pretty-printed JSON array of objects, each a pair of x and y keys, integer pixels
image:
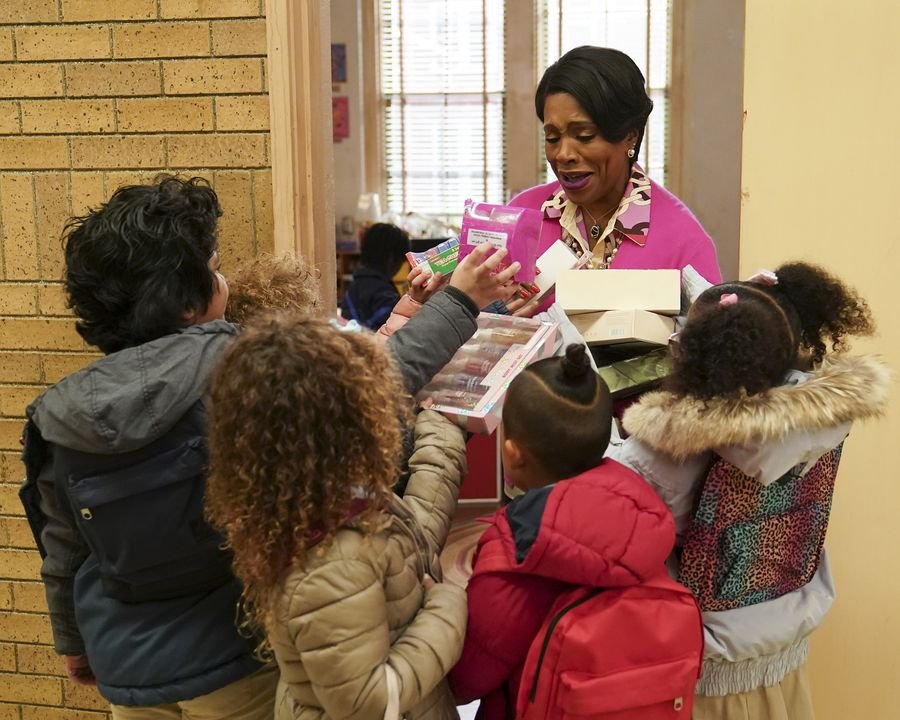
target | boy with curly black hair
[{"x": 142, "y": 597}]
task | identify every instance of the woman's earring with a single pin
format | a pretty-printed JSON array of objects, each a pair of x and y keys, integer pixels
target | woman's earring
[{"x": 631, "y": 152}]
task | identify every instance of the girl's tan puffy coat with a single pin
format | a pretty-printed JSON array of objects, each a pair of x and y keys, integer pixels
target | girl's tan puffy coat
[{"x": 361, "y": 604}]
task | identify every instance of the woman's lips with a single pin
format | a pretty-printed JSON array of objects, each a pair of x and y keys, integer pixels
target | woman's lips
[{"x": 574, "y": 181}]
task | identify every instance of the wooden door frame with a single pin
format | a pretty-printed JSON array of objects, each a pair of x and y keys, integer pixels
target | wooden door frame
[{"x": 298, "y": 70}]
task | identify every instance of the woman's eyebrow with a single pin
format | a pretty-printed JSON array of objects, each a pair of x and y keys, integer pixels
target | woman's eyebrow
[{"x": 576, "y": 124}]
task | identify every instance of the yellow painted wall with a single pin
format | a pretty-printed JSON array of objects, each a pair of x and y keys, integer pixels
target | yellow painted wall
[{"x": 820, "y": 181}]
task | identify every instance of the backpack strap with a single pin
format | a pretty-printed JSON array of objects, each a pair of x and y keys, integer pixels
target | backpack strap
[
  {"x": 392, "y": 682},
  {"x": 377, "y": 318},
  {"x": 354, "y": 315},
  {"x": 35, "y": 453}
]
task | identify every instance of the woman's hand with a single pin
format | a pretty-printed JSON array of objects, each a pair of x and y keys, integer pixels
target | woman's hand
[
  {"x": 525, "y": 301},
  {"x": 475, "y": 276},
  {"x": 423, "y": 285}
]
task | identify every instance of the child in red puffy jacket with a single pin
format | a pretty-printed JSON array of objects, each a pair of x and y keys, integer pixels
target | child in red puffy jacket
[{"x": 583, "y": 520}]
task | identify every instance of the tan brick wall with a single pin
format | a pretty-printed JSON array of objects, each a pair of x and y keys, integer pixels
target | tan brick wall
[{"x": 95, "y": 94}]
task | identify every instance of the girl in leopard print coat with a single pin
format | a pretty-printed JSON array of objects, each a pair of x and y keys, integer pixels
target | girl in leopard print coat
[{"x": 743, "y": 446}]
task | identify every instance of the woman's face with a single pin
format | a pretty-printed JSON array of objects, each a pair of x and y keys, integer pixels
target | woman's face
[{"x": 592, "y": 170}]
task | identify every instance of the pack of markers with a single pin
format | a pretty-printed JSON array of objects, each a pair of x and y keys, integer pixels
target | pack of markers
[{"x": 441, "y": 258}]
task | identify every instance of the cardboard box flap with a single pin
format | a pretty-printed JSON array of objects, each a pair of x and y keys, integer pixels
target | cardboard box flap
[{"x": 614, "y": 327}]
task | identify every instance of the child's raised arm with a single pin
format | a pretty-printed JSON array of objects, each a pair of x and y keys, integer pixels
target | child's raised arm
[
  {"x": 427, "y": 342},
  {"x": 437, "y": 468}
]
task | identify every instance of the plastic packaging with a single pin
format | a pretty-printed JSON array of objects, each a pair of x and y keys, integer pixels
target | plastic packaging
[
  {"x": 471, "y": 387},
  {"x": 516, "y": 229},
  {"x": 442, "y": 258}
]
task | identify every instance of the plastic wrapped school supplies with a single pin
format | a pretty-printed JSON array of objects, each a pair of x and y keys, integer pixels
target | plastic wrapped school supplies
[
  {"x": 516, "y": 229},
  {"x": 471, "y": 387},
  {"x": 636, "y": 375},
  {"x": 441, "y": 258}
]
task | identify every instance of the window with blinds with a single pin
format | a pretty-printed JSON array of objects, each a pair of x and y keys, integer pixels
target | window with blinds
[
  {"x": 640, "y": 28},
  {"x": 442, "y": 82}
]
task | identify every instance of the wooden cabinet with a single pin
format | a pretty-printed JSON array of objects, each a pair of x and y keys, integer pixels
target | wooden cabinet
[{"x": 347, "y": 260}]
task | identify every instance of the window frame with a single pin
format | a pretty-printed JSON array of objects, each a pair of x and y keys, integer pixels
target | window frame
[{"x": 522, "y": 142}]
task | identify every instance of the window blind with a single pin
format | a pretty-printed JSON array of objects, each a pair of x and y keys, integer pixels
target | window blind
[
  {"x": 640, "y": 28},
  {"x": 442, "y": 85}
]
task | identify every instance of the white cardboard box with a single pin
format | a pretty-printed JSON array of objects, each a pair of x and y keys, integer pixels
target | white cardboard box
[
  {"x": 584, "y": 291},
  {"x": 632, "y": 327},
  {"x": 554, "y": 260}
]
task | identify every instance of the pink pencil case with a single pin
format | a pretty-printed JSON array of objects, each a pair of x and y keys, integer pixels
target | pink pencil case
[{"x": 516, "y": 229}]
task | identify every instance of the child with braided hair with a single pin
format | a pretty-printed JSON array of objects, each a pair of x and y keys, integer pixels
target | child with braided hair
[
  {"x": 743, "y": 446},
  {"x": 582, "y": 521}
]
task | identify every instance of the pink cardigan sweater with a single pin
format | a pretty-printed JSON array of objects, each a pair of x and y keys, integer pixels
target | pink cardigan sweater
[{"x": 675, "y": 238}]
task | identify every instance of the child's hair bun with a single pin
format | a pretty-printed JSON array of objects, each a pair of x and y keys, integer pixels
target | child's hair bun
[{"x": 576, "y": 363}]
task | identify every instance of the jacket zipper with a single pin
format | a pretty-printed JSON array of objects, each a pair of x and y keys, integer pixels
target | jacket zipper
[{"x": 550, "y": 629}]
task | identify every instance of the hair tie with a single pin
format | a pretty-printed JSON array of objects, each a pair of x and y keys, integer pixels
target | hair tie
[
  {"x": 763, "y": 277},
  {"x": 728, "y": 299}
]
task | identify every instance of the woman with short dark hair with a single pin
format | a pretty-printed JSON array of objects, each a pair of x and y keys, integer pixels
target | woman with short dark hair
[{"x": 594, "y": 106}]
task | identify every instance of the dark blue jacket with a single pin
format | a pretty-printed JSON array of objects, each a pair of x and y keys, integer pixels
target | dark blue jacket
[
  {"x": 116, "y": 461},
  {"x": 370, "y": 298}
]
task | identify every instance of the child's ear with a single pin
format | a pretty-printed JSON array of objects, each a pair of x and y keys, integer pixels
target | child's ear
[
  {"x": 189, "y": 317},
  {"x": 514, "y": 454}
]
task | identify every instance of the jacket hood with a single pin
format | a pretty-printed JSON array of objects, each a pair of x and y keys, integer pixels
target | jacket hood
[
  {"x": 841, "y": 390},
  {"x": 130, "y": 398},
  {"x": 604, "y": 528}
]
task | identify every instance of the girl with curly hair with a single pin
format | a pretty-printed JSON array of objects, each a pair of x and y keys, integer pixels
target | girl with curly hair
[
  {"x": 270, "y": 282},
  {"x": 743, "y": 446},
  {"x": 305, "y": 448}
]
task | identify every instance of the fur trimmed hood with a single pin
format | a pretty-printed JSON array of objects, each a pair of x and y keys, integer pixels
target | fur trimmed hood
[{"x": 843, "y": 389}]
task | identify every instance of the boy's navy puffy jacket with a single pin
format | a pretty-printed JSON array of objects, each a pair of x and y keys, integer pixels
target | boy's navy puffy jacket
[{"x": 115, "y": 458}]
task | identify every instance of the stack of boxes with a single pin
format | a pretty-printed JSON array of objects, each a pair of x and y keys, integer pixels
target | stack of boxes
[{"x": 631, "y": 312}]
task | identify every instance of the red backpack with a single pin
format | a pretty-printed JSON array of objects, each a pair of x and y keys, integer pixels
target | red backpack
[{"x": 615, "y": 654}]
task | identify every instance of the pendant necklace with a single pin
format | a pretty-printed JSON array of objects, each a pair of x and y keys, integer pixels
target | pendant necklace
[
  {"x": 610, "y": 244},
  {"x": 595, "y": 227}
]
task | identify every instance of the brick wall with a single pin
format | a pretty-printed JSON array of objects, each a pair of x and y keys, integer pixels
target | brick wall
[{"x": 95, "y": 94}]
